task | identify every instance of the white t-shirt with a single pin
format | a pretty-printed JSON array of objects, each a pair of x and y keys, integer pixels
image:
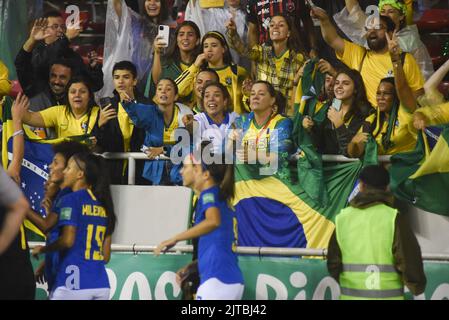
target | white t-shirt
[{"x": 208, "y": 130}]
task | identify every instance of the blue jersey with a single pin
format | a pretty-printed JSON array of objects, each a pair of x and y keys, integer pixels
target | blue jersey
[
  {"x": 216, "y": 256},
  {"x": 52, "y": 258},
  {"x": 82, "y": 266}
]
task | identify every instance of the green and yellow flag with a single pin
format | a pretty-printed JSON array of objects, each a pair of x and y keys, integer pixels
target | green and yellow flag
[{"x": 421, "y": 177}]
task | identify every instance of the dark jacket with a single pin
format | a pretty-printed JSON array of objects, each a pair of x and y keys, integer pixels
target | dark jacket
[
  {"x": 33, "y": 68},
  {"x": 335, "y": 141},
  {"x": 406, "y": 250},
  {"x": 110, "y": 139},
  {"x": 16, "y": 272}
]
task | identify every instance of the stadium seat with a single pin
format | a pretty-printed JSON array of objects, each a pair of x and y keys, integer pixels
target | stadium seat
[
  {"x": 97, "y": 27},
  {"x": 434, "y": 45},
  {"x": 434, "y": 19}
]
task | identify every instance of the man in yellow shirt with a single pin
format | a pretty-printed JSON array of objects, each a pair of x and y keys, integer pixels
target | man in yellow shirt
[{"x": 374, "y": 64}]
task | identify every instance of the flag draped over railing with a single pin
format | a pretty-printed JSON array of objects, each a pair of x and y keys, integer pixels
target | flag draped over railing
[{"x": 421, "y": 177}]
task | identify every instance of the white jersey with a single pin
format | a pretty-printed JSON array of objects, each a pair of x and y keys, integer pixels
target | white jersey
[{"x": 208, "y": 130}]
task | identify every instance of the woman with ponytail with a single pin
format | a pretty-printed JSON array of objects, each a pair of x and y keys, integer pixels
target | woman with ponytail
[
  {"x": 86, "y": 223},
  {"x": 215, "y": 226}
]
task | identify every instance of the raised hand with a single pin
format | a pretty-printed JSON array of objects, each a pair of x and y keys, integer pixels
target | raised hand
[
  {"x": 107, "y": 113},
  {"x": 74, "y": 30},
  {"x": 231, "y": 27},
  {"x": 20, "y": 107},
  {"x": 393, "y": 45},
  {"x": 93, "y": 58},
  {"x": 318, "y": 13},
  {"x": 159, "y": 44},
  {"x": 39, "y": 31},
  {"x": 325, "y": 67}
]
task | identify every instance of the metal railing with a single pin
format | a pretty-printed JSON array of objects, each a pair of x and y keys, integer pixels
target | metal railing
[
  {"x": 133, "y": 156},
  {"x": 258, "y": 251}
]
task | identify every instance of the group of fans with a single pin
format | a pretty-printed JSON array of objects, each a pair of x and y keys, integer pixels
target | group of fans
[{"x": 263, "y": 77}]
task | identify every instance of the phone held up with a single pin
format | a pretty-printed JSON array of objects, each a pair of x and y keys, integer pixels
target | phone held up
[
  {"x": 104, "y": 102},
  {"x": 336, "y": 104},
  {"x": 164, "y": 33}
]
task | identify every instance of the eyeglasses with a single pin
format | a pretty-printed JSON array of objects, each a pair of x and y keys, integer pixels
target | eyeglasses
[{"x": 56, "y": 26}]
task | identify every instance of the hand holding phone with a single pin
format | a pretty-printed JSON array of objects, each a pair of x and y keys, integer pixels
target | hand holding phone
[
  {"x": 336, "y": 104},
  {"x": 104, "y": 102},
  {"x": 164, "y": 34}
]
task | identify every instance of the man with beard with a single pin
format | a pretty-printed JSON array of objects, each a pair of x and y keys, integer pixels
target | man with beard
[
  {"x": 46, "y": 63},
  {"x": 374, "y": 64}
]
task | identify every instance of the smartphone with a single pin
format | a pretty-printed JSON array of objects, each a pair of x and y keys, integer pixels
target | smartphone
[
  {"x": 164, "y": 33},
  {"x": 336, "y": 104},
  {"x": 104, "y": 102}
]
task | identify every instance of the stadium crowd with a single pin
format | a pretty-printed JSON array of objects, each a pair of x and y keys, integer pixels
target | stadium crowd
[{"x": 231, "y": 72}]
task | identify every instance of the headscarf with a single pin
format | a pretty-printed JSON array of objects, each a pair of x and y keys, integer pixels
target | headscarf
[{"x": 397, "y": 4}]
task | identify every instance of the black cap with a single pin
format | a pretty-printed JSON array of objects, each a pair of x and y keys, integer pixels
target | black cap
[{"x": 375, "y": 176}]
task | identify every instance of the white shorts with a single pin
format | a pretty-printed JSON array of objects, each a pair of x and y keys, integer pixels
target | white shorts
[
  {"x": 62, "y": 293},
  {"x": 214, "y": 289}
]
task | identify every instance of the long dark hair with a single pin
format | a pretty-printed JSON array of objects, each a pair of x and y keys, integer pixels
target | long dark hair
[
  {"x": 173, "y": 50},
  {"x": 222, "y": 173},
  {"x": 360, "y": 106},
  {"x": 294, "y": 42},
  {"x": 386, "y": 139},
  {"x": 97, "y": 177},
  {"x": 224, "y": 91},
  {"x": 163, "y": 13},
  {"x": 227, "y": 57}
]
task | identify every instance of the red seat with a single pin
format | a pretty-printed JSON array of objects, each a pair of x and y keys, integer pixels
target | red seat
[
  {"x": 434, "y": 45},
  {"x": 97, "y": 27},
  {"x": 15, "y": 88},
  {"x": 434, "y": 19}
]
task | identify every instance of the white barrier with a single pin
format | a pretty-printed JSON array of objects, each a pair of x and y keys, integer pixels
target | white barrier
[{"x": 149, "y": 214}]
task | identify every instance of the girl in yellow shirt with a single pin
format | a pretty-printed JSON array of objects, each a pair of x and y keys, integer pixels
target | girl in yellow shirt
[{"x": 216, "y": 55}]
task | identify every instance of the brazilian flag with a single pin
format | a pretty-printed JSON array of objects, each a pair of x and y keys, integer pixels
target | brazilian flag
[
  {"x": 275, "y": 211},
  {"x": 297, "y": 209},
  {"x": 421, "y": 177},
  {"x": 38, "y": 154}
]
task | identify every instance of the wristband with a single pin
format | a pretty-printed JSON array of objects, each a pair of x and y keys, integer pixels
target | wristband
[{"x": 18, "y": 132}]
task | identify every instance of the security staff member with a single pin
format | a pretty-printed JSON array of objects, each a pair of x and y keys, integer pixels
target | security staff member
[{"x": 373, "y": 252}]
